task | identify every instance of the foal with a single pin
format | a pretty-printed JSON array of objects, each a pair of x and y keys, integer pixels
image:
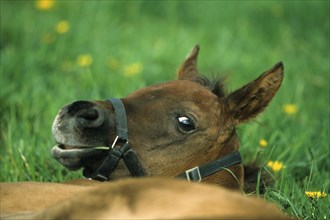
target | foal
[
  {"x": 175, "y": 129},
  {"x": 172, "y": 129}
]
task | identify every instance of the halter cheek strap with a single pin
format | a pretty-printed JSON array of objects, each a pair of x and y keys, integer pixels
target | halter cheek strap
[
  {"x": 116, "y": 153},
  {"x": 197, "y": 173}
]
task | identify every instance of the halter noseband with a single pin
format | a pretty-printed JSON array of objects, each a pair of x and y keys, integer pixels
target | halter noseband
[{"x": 132, "y": 162}]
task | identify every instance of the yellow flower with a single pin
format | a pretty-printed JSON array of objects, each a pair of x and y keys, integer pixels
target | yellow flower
[
  {"x": 263, "y": 143},
  {"x": 275, "y": 165},
  {"x": 62, "y": 27},
  {"x": 133, "y": 69},
  {"x": 45, "y": 5},
  {"x": 290, "y": 109},
  {"x": 84, "y": 60},
  {"x": 315, "y": 195}
]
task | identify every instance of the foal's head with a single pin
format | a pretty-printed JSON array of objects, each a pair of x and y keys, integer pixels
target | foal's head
[{"x": 172, "y": 127}]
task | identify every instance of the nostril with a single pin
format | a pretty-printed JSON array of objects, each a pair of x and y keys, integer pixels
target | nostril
[
  {"x": 77, "y": 107},
  {"x": 88, "y": 114},
  {"x": 90, "y": 118}
]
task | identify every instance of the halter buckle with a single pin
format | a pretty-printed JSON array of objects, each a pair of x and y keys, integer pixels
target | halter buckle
[{"x": 194, "y": 175}]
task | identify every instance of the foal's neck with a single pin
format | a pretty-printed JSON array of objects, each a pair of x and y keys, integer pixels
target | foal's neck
[{"x": 231, "y": 177}]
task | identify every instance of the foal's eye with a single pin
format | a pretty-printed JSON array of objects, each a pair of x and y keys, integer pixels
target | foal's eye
[{"x": 185, "y": 123}]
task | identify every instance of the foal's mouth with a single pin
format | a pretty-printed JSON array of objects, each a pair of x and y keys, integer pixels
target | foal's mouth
[
  {"x": 75, "y": 157},
  {"x": 68, "y": 147}
]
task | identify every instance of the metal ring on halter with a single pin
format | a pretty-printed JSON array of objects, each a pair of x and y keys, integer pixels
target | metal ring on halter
[{"x": 114, "y": 142}]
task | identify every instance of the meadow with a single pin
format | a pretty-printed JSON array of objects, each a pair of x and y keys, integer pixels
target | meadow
[{"x": 55, "y": 52}]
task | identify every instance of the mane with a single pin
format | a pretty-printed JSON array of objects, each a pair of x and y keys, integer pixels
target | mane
[{"x": 216, "y": 85}]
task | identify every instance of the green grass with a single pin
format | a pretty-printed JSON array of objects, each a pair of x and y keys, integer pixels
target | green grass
[{"x": 39, "y": 74}]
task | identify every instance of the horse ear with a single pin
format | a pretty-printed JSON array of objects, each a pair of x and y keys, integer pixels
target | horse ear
[
  {"x": 250, "y": 100},
  {"x": 188, "y": 70}
]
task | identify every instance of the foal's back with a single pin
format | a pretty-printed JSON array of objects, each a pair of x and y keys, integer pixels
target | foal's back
[{"x": 153, "y": 198}]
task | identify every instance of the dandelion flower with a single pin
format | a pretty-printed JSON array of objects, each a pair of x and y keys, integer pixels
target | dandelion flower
[
  {"x": 62, "y": 27},
  {"x": 290, "y": 109},
  {"x": 84, "y": 60},
  {"x": 263, "y": 143},
  {"x": 45, "y": 5},
  {"x": 275, "y": 165},
  {"x": 133, "y": 69},
  {"x": 315, "y": 194}
]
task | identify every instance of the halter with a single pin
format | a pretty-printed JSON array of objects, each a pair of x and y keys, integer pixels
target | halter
[
  {"x": 121, "y": 149},
  {"x": 115, "y": 154}
]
